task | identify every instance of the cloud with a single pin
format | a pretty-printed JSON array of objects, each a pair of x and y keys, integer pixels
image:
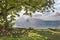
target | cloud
[
  {"x": 57, "y": 14},
  {"x": 48, "y": 16},
  {"x": 57, "y": 1},
  {"x": 26, "y": 22},
  {"x": 39, "y": 19},
  {"x": 57, "y": 4}
]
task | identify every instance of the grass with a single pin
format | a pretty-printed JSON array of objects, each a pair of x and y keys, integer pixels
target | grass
[{"x": 27, "y": 34}]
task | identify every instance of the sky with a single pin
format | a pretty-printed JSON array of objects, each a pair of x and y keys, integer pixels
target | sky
[
  {"x": 34, "y": 20},
  {"x": 57, "y": 4},
  {"x": 47, "y": 16}
]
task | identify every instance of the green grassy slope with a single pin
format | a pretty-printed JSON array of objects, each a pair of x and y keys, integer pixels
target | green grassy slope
[{"x": 32, "y": 35}]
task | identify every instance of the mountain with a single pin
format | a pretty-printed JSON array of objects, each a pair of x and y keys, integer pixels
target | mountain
[{"x": 36, "y": 23}]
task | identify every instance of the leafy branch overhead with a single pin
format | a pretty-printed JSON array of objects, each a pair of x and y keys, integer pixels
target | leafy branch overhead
[{"x": 11, "y": 7}]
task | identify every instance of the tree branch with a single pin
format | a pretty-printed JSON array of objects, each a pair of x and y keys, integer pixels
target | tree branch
[
  {"x": 10, "y": 8},
  {"x": 0, "y": 14},
  {"x": 0, "y": 0}
]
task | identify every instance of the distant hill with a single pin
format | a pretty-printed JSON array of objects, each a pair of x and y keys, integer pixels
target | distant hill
[{"x": 36, "y": 23}]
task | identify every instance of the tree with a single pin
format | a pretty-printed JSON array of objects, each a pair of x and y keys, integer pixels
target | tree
[
  {"x": 11, "y": 7},
  {"x": 42, "y": 5}
]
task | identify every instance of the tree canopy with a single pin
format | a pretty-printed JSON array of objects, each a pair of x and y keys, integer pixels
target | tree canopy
[{"x": 11, "y": 7}]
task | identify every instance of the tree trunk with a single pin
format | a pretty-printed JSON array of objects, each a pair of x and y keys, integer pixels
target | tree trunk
[{"x": 5, "y": 15}]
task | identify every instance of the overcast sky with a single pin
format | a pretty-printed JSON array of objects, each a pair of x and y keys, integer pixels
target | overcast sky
[
  {"x": 57, "y": 4},
  {"x": 47, "y": 16}
]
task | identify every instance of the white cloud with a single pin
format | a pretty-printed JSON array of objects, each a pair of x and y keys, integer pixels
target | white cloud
[
  {"x": 51, "y": 16},
  {"x": 57, "y": 1},
  {"x": 57, "y": 4}
]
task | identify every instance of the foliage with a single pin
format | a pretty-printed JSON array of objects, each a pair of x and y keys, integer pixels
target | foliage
[
  {"x": 37, "y": 35},
  {"x": 9, "y": 9}
]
